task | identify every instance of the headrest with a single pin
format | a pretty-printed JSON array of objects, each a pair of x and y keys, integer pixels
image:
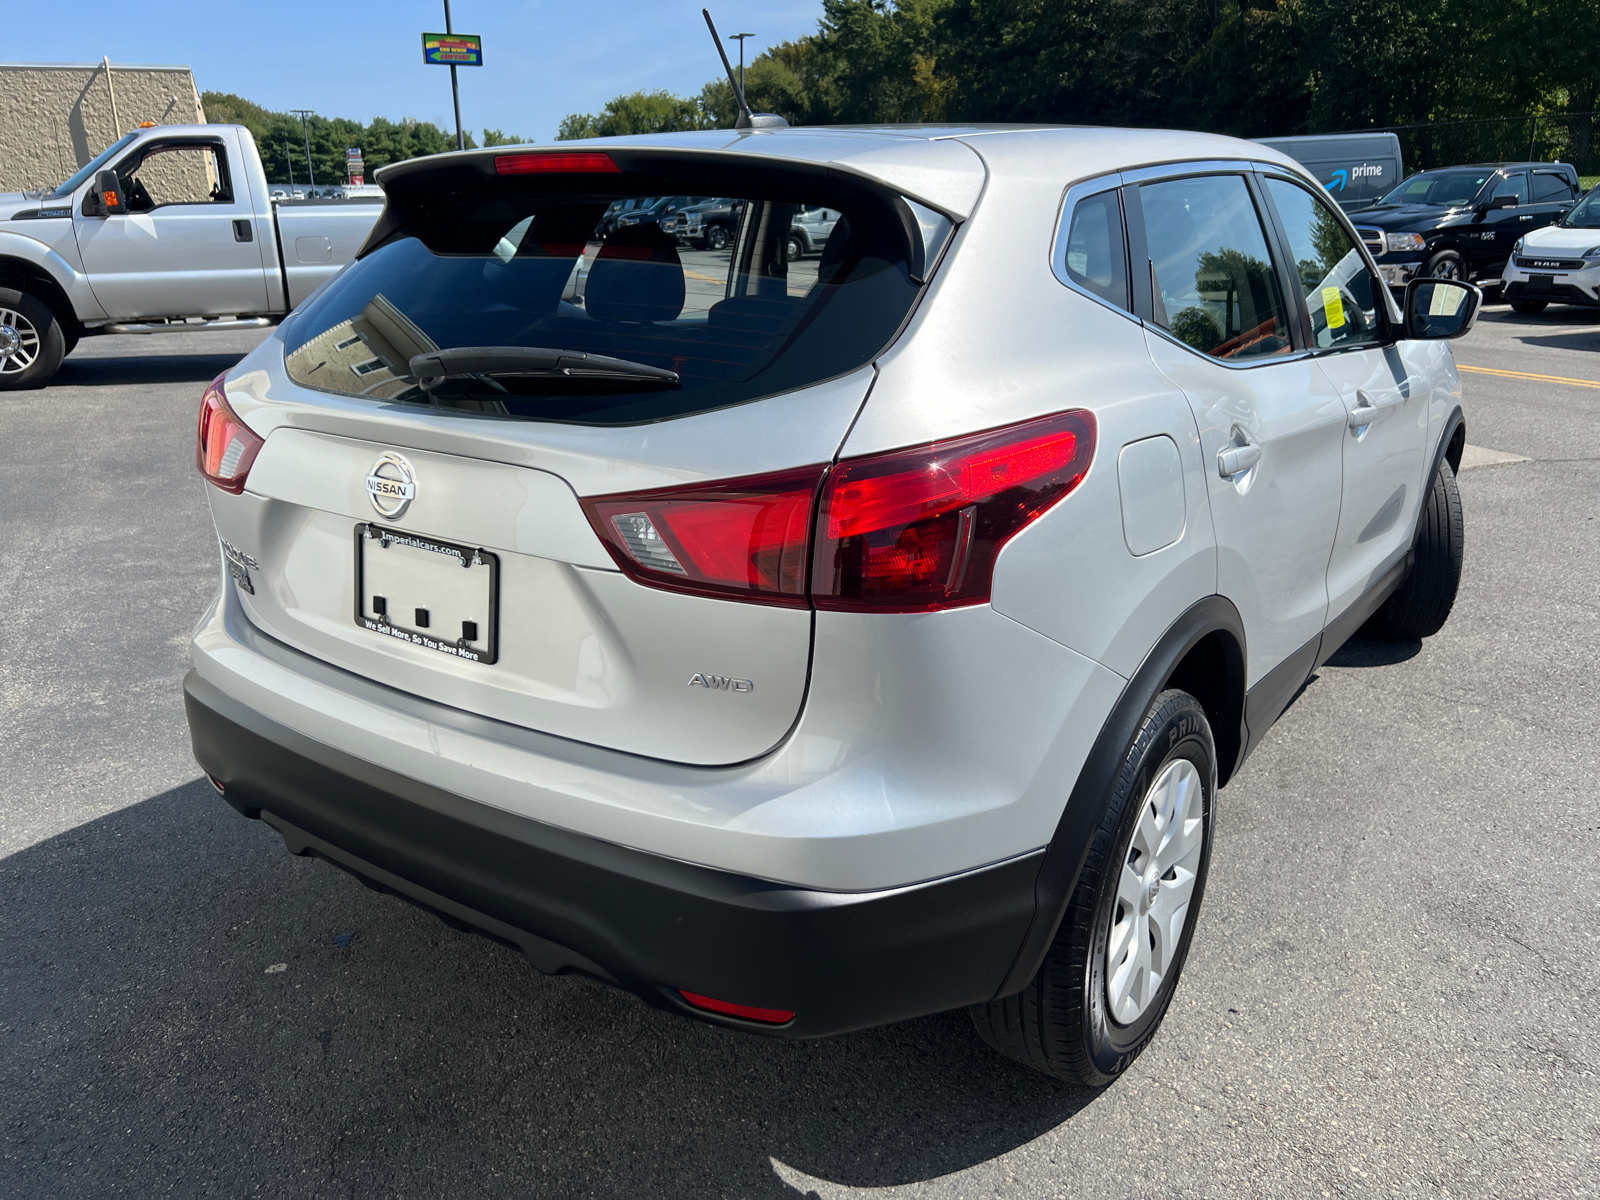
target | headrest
[
  {"x": 835, "y": 251},
  {"x": 637, "y": 277}
]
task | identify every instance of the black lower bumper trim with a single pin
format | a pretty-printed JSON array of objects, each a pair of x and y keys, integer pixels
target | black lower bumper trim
[
  {"x": 1560, "y": 293},
  {"x": 839, "y": 960}
]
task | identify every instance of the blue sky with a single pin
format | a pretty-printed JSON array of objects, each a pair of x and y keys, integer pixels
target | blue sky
[{"x": 543, "y": 58}]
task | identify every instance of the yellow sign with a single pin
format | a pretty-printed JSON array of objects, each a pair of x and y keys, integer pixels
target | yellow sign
[{"x": 1333, "y": 305}]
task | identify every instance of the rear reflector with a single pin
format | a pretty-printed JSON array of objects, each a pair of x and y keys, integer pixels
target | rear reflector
[
  {"x": 572, "y": 162},
  {"x": 918, "y": 530},
  {"x": 767, "y": 1016},
  {"x": 742, "y": 539},
  {"x": 225, "y": 447}
]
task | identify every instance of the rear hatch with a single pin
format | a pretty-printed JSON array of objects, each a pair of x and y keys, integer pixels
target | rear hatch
[{"x": 566, "y": 482}]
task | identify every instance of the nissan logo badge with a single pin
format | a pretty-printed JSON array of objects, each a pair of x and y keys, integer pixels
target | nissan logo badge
[{"x": 392, "y": 484}]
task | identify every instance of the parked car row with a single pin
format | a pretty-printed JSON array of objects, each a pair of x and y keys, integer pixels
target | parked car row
[
  {"x": 708, "y": 223},
  {"x": 1518, "y": 226}
]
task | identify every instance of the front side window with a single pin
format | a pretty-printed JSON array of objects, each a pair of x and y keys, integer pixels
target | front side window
[
  {"x": 175, "y": 174},
  {"x": 526, "y": 265},
  {"x": 1339, "y": 290},
  {"x": 1514, "y": 184},
  {"x": 1094, "y": 258},
  {"x": 1211, "y": 272},
  {"x": 1550, "y": 188}
]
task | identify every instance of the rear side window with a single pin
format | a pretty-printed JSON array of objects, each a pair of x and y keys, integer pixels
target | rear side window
[
  {"x": 1210, "y": 270},
  {"x": 1548, "y": 187},
  {"x": 1093, "y": 257},
  {"x": 523, "y": 262}
]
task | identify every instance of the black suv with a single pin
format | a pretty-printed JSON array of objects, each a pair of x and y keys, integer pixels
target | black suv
[{"x": 1461, "y": 222}]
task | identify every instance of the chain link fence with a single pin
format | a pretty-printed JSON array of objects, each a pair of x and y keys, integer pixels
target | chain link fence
[{"x": 1566, "y": 137}]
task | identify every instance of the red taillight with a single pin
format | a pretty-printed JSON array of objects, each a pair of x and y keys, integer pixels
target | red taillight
[
  {"x": 767, "y": 1016},
  {"x": 910, "y": 531},
  {"x": 225, "y": 446},
  {"x": 917, "y": 530},
  {"x": 739, "y": 539},
  {"x": 568, "y": 162}
]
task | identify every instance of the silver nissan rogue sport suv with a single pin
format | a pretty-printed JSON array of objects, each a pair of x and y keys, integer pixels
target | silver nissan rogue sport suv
[{"x": 809, "y": 645}]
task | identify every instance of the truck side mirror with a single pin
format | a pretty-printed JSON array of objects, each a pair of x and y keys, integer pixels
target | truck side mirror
[
  {"x": 107, "y": 199},
  {"x": 1440, "y": 308},
  {"x": 1505, "y": 200}
]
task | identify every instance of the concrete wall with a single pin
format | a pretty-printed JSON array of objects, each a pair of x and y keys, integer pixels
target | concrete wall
[{"x": 55, "y": 117}]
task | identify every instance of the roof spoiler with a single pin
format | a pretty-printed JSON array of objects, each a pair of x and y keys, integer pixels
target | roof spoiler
[{"x": 746, "y": 119}]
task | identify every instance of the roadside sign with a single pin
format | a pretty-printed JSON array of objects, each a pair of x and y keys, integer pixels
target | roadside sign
[
  {"x": 354, "y": 167},
  {"x": 452, "y": 49}
]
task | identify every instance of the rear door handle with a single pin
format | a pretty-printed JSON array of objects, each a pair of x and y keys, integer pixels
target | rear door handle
[
  {"x": 1236, "y": 460},
  {"x": 242, "y": 231}
]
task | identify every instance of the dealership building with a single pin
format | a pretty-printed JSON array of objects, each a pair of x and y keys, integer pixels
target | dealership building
[{"x": 55, "y": 117}]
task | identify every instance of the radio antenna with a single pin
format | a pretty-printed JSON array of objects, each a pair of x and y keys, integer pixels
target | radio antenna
[{"x": 746, "y": 119}]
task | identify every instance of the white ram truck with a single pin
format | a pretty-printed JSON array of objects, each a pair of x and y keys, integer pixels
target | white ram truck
[{"x": 170, "y": 228}]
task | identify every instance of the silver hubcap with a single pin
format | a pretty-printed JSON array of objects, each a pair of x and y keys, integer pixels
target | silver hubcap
[
  {"x": 19, "y": 342},
  {"x": 1154, "y": 890}
]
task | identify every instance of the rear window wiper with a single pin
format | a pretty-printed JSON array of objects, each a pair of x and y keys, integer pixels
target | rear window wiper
[{"x": 434, "y": 367}]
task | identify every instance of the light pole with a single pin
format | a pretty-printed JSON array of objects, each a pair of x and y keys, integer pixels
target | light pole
[
  {"x": 455, "y": 91},
  {"x": 304, "y": 113},
  {"x": 740, "y": 37}
]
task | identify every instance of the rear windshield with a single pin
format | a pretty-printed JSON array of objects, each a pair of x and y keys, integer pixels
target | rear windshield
[{"x": 778, "y": 304}]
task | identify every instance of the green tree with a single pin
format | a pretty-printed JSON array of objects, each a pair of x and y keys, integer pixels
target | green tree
[
  {"x": 282, "y": 142},
  {"x": 637, "y": 112},
  {"x": 499, "y": 137}
]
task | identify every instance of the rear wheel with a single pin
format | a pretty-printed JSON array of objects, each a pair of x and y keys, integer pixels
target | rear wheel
[
  {"x": 1423, "y": 603},
  {"x": 1446, "y": 264},
  {"x": 793, "y": 248},
  {"x": 1529, "y": 306},
  {"x": 1105, "y": 984},
  {"x": 31, "y": 342}
]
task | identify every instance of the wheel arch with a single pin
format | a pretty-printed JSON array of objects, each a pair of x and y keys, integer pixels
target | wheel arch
[
  {"x": 23, "y": 276},
  {"x": 1202, "y": 652}
]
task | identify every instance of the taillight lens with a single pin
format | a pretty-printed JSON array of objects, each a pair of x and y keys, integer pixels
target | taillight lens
[
  {"x": 917, "y": 530},
  {"x": 225, "y": 447},
  {"x": 742, "y": 539}
]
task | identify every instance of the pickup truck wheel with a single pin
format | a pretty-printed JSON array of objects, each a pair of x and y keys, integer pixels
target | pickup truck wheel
[
  {"x": 31, "y": 343},
  {"x": 716, "y": 238},
  {"x": 1423, "y": 603},
  {"x": 1529, "y": 306},
  {"x": 1446, "y": 264},
  {"x": 1107, "y": 979}
]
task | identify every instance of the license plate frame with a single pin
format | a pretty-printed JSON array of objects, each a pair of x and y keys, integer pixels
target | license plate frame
[
  {"x": 1541, "y": 283},
  {"x": 486, "y": 650}
]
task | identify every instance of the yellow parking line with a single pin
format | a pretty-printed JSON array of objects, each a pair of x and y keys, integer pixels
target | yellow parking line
[
  {"x": 1589, "y": 383},
  {"x": 707, "y": 278}
]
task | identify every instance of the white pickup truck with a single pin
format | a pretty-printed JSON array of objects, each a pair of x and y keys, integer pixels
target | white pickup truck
[{"x": 171, "y": 228}]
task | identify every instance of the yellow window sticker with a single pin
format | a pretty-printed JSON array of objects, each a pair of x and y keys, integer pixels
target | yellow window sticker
[{"x": 1333, "y": 305}]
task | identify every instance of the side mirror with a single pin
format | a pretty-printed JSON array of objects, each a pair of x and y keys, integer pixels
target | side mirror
[
  {"x": 1440, "y": 308},
  {"x": 107, "y": 199},
  {"x": 1505, "y": 200}
]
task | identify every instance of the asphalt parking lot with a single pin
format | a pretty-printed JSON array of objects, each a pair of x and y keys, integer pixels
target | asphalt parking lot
[{"x": 1393, "y": 989}]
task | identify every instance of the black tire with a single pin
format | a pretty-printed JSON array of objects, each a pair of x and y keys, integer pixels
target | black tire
[
  {"x": 36, "y": 336},
  {"x": 1529, "y": 306},
  {"x": 1061, "y": 1023},
  {"x": 716, "y": 238},
  {"x": 1446, "y": 264},
  {"x": 1423, "y": 603},
  {"x": 793, "y": 247}
]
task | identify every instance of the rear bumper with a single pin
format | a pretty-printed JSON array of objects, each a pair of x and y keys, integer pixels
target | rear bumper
[{"x": 839, "y": 960}]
